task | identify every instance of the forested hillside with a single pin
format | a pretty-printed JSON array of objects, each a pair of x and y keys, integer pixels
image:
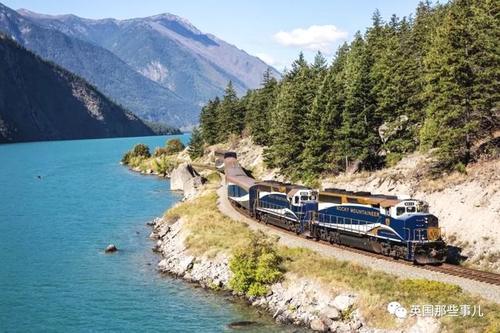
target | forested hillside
[
  {"x": 42, "y": 101},
  {"x": 424, "y": 82}
]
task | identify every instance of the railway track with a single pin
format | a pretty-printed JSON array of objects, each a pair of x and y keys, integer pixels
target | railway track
[{"x": 449, "y": 269}]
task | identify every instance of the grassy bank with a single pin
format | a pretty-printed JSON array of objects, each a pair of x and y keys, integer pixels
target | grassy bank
[{"x": 211, "y": 232}]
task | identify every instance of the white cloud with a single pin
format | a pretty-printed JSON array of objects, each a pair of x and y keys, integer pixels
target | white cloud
[{"x": 316, "y": 37}]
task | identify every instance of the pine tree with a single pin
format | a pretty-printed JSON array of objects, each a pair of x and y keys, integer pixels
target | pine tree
[
  {"x": 358, "y": 136},
  {"x": 231, "y": 115},
  {"x": 259, "y": 108},
  {"x": 288, "y": 118},
  {"x": 462, "y": 81},
  {"x": 195, "y": 148},
  {"x": 324, "y": 120},
  {"x": 209, "y": 125}
]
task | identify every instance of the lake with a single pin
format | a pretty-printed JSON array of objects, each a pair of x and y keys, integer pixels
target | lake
[{"x": 61, "y": 204}]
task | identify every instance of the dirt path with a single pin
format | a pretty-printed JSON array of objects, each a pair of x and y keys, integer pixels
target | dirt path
[{"x": 485, "y": 290}]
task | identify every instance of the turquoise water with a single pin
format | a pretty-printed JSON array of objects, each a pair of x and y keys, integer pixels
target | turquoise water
[{"x": 54, "y": 276}]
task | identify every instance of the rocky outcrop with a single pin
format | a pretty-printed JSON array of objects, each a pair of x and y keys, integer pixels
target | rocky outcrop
[
  {"x": 297, "y": 301},
  {"x": 184, "y": 178}
]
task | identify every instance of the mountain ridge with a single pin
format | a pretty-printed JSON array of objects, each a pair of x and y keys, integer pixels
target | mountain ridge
[
  {"x": 40, "y": 100},
  {"x": 99, "y": 66},
  {"x": 184, "y": 66}
]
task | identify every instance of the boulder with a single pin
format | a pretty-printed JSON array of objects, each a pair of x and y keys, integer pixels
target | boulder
[
  {"x": 340, "y": 327},
  {"x": 180, "y": 176},
  {"x": 331, "y": 312},
  {"x": 185, "y": 178},
  {"x": 344, "y": 302},
  {"x": 111, "y": 248},
  {"x": 318, "y": 325}
]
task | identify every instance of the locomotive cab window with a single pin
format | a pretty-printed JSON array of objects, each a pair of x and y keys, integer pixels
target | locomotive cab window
[
  {"x": 296, "y": 200},
  {"x": 411, "y": 209},
  {"x": 400, "y": 211}
]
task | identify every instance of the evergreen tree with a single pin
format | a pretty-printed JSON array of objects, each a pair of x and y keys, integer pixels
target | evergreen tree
[
  {"x": 195, "y": 148},
  {"x": 231, "y": 115},
  {"x": 324, "y": 120},
  {"x": 259, "y": 107},
  {"x": 462, "y": 81},
  {"x": 209, "y": 125},
  {"x": 288, "y": 118},
  {"x": 358, "y": 136}
]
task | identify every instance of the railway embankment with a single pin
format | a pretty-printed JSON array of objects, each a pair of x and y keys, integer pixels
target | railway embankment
[
  {"x": 201, "y": 242},
  {"x": 467, "y": 204}
]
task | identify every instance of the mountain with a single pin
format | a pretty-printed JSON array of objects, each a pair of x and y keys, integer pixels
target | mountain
[
  {"x": 161, "y": 67},
  {"x": 168, "y": 50},
  {"x": 100, "y": 67},
  {"x": 42, "y": 101}
]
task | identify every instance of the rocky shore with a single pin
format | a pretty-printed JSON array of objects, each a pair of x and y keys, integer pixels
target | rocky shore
[{"x": 293, "y": 300}]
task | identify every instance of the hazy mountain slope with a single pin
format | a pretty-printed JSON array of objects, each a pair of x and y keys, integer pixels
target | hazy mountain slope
[
  {"x": 168, "y": 50},
  {"x": 42, "y": 101},
  {"x": 102, "y": 68}
]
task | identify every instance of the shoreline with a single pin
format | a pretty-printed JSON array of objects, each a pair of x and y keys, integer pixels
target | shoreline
[
  {"x": 296, "y": 301},
  {"x": 301, "y": 301}
]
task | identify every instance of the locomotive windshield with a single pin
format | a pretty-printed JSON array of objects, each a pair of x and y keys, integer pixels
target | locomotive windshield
[{"x": 412, "y": 207}]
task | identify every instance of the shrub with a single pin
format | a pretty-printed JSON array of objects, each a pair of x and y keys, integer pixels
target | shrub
[
  {"x": 163, "y": 165},
  {"x": 141, "y": 150},
  {"x": 160, "y": 151},
  {"x": 126, "y": 158},
  {"x": 174, "y": 146},
  {"x": 255, "y": 266}
]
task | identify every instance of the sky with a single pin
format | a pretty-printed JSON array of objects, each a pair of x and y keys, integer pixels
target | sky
[{"x": 274, "y": 30}]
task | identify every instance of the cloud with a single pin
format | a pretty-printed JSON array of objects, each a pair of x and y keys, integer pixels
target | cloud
[{"x": 316, "y": 37}]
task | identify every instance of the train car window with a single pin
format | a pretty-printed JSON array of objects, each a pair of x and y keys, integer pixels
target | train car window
[
  {"x": 400, "y": 211},
  {"x": 304, "y": 198},
  {"x": 341, "y": 220},
  {"x": 410, "y": 209},
  {"x": 347, "y": 221},
  {"x": 296, "y": 200},
  {"x": 352, "y": 200}
]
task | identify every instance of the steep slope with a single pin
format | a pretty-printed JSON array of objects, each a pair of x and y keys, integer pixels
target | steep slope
[
  {"x": 41, "y": 101},
  {"x": 102, "y": 68},
  {"x": 169, "y": 50}
]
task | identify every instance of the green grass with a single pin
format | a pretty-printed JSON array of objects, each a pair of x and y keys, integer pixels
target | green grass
[{"x": 211, "y": 232}]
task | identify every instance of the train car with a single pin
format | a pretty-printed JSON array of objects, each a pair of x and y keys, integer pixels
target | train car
[
  {"x": 285, "y": 205},
  {"x": 401, "y": 228},
  {"x": 238, "y": 183}
]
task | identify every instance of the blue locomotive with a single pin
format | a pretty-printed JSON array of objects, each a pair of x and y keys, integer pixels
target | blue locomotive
[{"x": 401, "y": 228}]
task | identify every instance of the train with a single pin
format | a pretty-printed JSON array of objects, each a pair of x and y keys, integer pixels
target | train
[{"x": 401, "y": 228}]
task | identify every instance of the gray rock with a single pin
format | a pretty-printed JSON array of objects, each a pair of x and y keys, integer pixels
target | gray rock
[
  {"x": 111, "y": 248},
  {"x": 318, "y": 325},
  {"x": 331, "y": 312},
  {"x": 327, "y": 321},
  {"x": 343, "y": 302},
  {"x": 340, "y": 327},
  {"x": 185, "y": 178}
]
